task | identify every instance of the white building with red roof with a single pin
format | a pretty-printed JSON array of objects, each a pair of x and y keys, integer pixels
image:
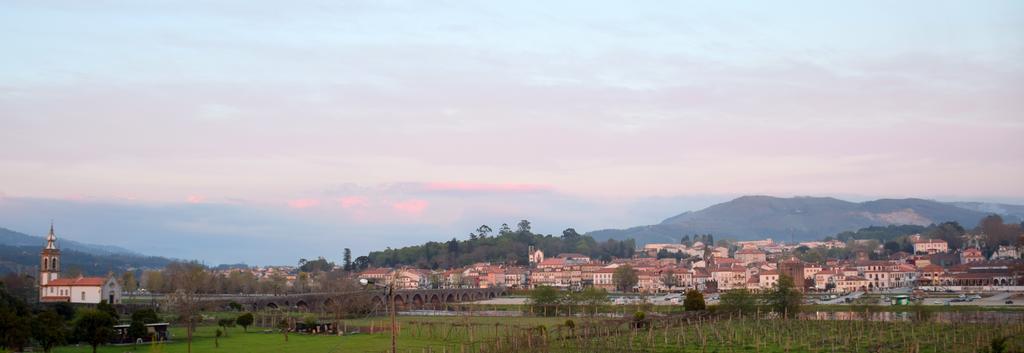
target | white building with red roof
[
  {"x": 749, "y": 255},
  {"x": 823, "y": 278},
  {"x": 80, "y": 290},
  {"x": 970, "y": 255},
  {"x": 604, "y": 278},
  {"x": 552, "y": 263},
  {"x": 930, "y": 246},
  {"x": 767, "y": 279},
  {"x": 729, "y": 277}
]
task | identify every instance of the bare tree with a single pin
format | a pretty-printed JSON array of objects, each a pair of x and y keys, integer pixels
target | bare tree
[
  {"x": 668, "y": 279},
  {"x": 129, "y": 284},
  {"x": 350, "y": 299},
  {"x": 188, "y": 280}
]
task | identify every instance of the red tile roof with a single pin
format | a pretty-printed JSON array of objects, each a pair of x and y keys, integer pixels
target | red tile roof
[
  {"x": 552, "y": 262},
  {"x": 80, "y": 281},
  {"x": 972, "y": 252},
  {"x": 377, "y": 271},
  {"x": 572, "y": 255}
]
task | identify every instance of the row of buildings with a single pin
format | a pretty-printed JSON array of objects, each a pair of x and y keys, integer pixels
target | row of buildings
[{"x": 756, "y": 266}]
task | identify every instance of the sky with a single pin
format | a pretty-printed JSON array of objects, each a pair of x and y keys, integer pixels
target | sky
[{"x": 266, "y": 131}]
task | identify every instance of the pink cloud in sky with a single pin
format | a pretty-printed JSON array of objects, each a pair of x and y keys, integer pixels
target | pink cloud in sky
[
  {"x": 411, "y": 206},
  {"x": 352, "y": 201},
  {"x": 72, "y": 197},
  {"x": 303, "y": 203},
  {"x": 195, "y": 199},
  {"x": 485, "y": 187}
]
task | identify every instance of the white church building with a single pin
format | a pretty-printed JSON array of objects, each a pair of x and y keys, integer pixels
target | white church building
[{"x": 79, "y": 290}]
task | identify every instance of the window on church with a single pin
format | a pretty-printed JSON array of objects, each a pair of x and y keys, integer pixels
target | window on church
[{"x": 83, "y": 296}]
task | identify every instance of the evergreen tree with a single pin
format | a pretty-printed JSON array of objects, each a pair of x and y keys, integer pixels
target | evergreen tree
[
  {"x": 95, "y": 327},
  {"x": 570, "y": 234},
  {"x": 694, "y": 300},
  {"x": 484, "y": 231},
  {"x": 625, "y": 278},
  {"x": 137, "y": 330},
  {"x": 109, "y": 309},
  {"x": 15, "y": 327},
  {"x": 544, "y": 299},
  {"x": 49, "y": 330},
  {"x": 523, "y": 227},
  {"x": 346, "y": 259},
  {"x": 784, "y": 298},
  {"x": 245, "y": 320},
  {"x": 737, "y": 301}
]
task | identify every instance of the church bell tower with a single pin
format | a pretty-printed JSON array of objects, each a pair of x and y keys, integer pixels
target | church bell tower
[{"x": 49, "y": 266}]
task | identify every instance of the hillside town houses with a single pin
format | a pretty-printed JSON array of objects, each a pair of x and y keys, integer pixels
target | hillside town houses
[{"x": 752, "y": 265}]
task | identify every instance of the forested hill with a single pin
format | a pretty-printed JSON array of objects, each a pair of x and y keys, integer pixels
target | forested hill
[
  {"x": 19, "y": 253},
  {"x": 507, "y": 246},
  {"x": 14, "y": 238},
  {"x": 802, "y": 218},
  {"x": 991, "y": 232},
  {"x": 24, "y": 259}
]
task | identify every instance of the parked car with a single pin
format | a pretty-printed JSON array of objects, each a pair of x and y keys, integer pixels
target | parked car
[{"x": 1009, "y": 302}]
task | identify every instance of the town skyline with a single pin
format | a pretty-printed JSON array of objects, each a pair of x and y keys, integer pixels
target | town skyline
[{"x": 256, "y": 253}]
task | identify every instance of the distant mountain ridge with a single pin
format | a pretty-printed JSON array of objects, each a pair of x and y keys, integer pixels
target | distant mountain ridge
[
  {"x": 19, "y": 253},
  {"x": 14, "y": 238},
  {"x": 805, "y": 218}
]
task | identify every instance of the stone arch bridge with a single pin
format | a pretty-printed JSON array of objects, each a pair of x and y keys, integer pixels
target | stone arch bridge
[{"x": 404, "y": 299}]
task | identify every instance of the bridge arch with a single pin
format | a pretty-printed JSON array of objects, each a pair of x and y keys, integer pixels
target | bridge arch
[{"x": 403, "y": 299}]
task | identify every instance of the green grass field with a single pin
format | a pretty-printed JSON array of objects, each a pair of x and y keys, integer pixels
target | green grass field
[
  {"x": 413, "y": 338},
  {"x": 258, "y": 342},
  {"x": 524, "y": 334}
]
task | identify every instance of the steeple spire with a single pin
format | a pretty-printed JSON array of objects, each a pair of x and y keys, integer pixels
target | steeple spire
[{"x": 51, "y": 239}]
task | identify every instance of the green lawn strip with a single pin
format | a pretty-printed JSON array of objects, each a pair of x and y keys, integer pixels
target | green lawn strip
[{"x": 739, "y": 335}]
